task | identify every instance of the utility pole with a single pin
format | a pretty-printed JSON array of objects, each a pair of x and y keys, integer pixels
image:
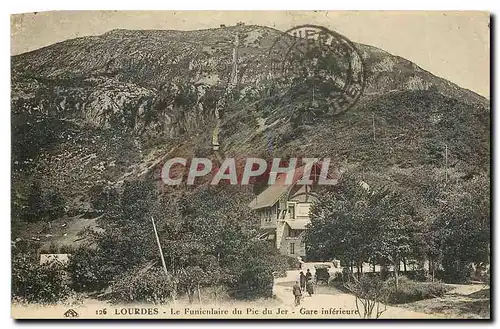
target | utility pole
[
  {"x": 159, "y": 247},
  {"x": 174, "y": 293}
]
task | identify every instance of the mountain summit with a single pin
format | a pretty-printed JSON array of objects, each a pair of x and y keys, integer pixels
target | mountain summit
[{"x": 105, "y": 109}]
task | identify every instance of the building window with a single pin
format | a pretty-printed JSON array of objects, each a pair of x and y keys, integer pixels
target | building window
[
  {"x": 267, "y": 215},
  {"x": 293, "y": 233},
  {"x": 292, "y": 248},
  {"x": 303, "y": 209},
  {"x": 291, "y": 210}
]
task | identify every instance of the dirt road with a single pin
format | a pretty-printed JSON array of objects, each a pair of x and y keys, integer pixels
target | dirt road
[{"x": 333, "y": 302}]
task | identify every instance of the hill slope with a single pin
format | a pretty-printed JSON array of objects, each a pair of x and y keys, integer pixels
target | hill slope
[{"x": 95, "y": 111}]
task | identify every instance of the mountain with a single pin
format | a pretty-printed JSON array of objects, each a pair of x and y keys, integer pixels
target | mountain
[{"x": 96, "y": 111}]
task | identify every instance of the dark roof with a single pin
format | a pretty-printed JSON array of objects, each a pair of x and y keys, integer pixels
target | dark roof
[{"x": 272, "y": 194}]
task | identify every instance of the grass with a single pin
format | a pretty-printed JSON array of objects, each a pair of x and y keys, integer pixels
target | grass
[
  {"x": 409, "y": 291},
  {"x": 459, "y": 303}
]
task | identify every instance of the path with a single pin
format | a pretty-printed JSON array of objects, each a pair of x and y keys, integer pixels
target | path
[
  {"x": 332, "y": 300},
  {"x": 467, "y": 301}
]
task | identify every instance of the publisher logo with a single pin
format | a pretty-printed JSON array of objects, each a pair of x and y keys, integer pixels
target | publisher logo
[{"x": 71, "y": 313}]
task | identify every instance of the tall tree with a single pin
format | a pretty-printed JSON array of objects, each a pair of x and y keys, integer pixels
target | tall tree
[{"x": 356, "y": 223}]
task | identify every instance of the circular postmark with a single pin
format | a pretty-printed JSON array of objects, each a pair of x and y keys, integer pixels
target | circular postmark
[{"x": 318, "y": 68}]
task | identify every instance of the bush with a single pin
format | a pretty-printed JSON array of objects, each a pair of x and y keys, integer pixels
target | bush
[
  {"x": 253, "y": 278},
  {"x": 293, "y": 263},
  {"x": 33, "y": 283},
  {"x": 370, "y": 295},
  {"x": 410, "y": 291},
  {"x": 141, "y": 285},
  {"x": 456, "y": 272},
  {"x": 337, "y": 277},
  {"x": 419, "y": 275},
  {"x": 253, "y": 282},
  {"x": 88, "y": 270}
]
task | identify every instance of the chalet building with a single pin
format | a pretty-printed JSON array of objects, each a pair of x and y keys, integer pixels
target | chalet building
[
  {"x": 60, "y": 259},
  {"x": 283, "y": 211}
]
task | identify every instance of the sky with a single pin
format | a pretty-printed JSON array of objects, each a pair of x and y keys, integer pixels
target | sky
[{"x": 452, "y": 45}]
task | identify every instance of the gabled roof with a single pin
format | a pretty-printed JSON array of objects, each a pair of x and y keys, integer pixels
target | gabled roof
[
  {"x": 272, "y": 194},
  {"x": 269, "y": 196}
]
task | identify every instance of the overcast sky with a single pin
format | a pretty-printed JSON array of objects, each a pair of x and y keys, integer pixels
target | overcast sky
[{"x": 452, "y": 45}]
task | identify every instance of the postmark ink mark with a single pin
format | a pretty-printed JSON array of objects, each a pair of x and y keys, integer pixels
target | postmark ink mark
[{"x": 319, "y": 68}]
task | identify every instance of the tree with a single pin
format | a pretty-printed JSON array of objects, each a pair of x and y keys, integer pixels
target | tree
[
  {"x": 42, "y": 204},
  {"x": 395, "y": 226},
  {"x": 54, "y": 204},
  {"x": 206, "y": 235},
  {"x": 251, "y": 271},
  {"x": 370, "y": 293},
  {"x": 35, "y": 203},
  {"x": 340, "y": 224},
  {"x": 358, "y": 224},
  {"x": 463, "y": 228},
  {"x": 35, "y": 283},
  {"x": 125, "y": 239},
  {"x": 207, "y": 238}
]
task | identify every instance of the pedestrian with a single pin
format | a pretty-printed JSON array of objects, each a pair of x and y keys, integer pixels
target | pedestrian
[
  {"x": 302, "y": 280},
  {"x": 310, "y": 287},
  {"x": 308, "y": 275},
  {"x": 301, "y": 262},
  {"x": 297, "y": 292}
]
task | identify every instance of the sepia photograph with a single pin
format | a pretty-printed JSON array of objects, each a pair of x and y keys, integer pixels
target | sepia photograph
[{"x": 250, "y": 165}]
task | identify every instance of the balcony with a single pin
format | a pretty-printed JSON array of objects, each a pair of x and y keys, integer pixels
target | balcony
[{"x": 267, "y": 224}]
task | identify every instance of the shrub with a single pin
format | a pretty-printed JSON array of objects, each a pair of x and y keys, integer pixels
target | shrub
[
  {"x": 191, "y": 278},
  {"x": 253, "y": 278},
  {"x": 370, "y": 295},
  {"x": 35, "y": 283},
  {"x": 419, "y": 275},
  {"x": 142, "y": 285},
  {"x": 456, "y": 272},
  {"x": 337, "y": 277},
  {"x": 88, "y": 270},
  {"x": 253, "y": 282},
  {"x": 410, "y": 291},
  {"x": 293, "y": 263}
]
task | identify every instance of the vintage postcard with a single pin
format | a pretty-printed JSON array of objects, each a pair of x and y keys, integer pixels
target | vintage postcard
[{"x": 250, "y": 165}]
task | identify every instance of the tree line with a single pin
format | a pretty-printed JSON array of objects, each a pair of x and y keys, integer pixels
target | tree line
[{"x": 447, "y": 227}]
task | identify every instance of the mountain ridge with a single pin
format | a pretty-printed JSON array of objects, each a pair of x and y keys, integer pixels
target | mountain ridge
[
  {"x": 168, "y": 33},
  {"x": 99, "y": 110}
]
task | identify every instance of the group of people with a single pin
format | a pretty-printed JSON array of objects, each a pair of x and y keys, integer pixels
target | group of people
[{"x": 305, "y": 283}]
